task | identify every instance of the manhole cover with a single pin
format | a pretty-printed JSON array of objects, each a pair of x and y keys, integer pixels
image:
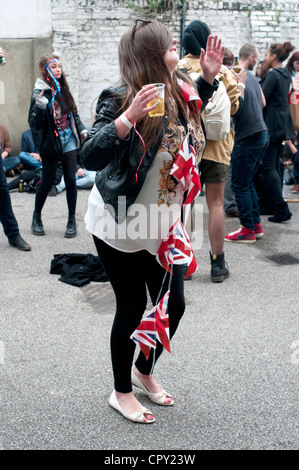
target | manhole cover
[{"x": 284, "y": 258}]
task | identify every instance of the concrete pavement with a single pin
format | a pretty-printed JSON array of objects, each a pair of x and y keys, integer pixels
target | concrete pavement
[{"x": 233, "y": 370}]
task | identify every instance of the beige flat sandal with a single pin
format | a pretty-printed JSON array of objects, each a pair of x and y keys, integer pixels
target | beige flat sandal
[
  {"x": 136, "y": 417},
  {"x": 158, "y": 398}
]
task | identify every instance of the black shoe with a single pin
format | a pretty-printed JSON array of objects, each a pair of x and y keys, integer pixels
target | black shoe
[
  {"x": 280, "y": 218},
  {"x": 19, "y": 243},
  {"x": 71, "y": 228},
  {"x": 282, "y": 214},
  {"x": 219, "y": 268},
  {"x": 37, "y": 225}
]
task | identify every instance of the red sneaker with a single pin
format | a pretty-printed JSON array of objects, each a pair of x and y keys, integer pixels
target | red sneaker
[
  {"x": 243, "y": 235},
  {"x": 259, "y": 232}
]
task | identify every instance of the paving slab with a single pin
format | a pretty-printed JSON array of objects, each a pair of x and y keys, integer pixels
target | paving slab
[{"x": 234, "y": 363}]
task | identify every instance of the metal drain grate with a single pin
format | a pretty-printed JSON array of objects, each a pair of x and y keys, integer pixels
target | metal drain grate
[{"x": 285, "y": 258}]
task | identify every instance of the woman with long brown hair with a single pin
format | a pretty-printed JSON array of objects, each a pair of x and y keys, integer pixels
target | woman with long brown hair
[
  {"x": 57, "y": 132},
  {"x": 135, "y": 156}
]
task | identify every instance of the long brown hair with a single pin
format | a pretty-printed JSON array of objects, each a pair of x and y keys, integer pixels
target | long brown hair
[
  {"x": 66, "y": 95},
  {"x": 141, "y": 61}
]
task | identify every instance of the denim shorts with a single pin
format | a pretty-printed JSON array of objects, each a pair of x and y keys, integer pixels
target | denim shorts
[{"x": 68, "y": 140}]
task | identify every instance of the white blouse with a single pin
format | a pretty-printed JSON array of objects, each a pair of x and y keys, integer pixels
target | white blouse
[{"x": 156, "y": 208}]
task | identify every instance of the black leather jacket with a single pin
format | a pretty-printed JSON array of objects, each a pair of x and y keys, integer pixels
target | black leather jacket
[
  {"x": 44, "y": 132},
  {"x": 116, "y": 160}
]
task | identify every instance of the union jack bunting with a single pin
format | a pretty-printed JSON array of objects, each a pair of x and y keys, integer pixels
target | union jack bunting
[
  {"x": 185, "y": 170},
  {"x": 177, "y": 249},
  {"x": 190, "y": 95},
  {"x": 155, "y": 326}
]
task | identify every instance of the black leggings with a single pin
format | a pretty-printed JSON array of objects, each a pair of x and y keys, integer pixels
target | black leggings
[
  {"x": 69, "y": 162},
  {"x": 131, "y": 274}
]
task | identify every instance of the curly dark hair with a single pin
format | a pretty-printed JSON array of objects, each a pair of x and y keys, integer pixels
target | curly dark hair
[{"x": 282, "y": 51}]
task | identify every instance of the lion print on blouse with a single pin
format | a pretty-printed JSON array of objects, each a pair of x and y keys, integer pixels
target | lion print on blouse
[{"x": 171, "y": 145}]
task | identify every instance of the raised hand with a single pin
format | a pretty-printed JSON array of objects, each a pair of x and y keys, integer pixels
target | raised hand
[
  {"x": 41, "y": 100},
  {"x": 211, "y": 59}
]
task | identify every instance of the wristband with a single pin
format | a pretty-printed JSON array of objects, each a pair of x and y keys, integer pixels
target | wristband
[
  {"x": 126, "y": 121},
  {"x": 241, "y": 84}
]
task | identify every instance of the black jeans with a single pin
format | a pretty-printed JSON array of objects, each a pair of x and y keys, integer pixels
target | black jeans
[
  {"x": 69, "y": 162},
  {"x": 271, "y": 174},
  {"x": 7, "y": 217},
  {"x": 131, "y": 274}
]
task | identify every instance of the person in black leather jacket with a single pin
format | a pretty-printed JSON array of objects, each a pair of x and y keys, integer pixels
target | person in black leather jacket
[
  {"x": 133, "y": 154},
  {"x": 57, "y": 132}
]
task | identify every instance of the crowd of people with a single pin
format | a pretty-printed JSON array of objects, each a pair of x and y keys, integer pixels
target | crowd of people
[{"x": 134, "y": 160}]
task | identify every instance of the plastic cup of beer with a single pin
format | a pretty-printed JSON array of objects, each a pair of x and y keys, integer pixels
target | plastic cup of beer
[{"x": 160, "y": 108}]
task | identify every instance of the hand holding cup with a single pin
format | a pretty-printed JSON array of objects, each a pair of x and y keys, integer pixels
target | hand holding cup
[{"x": 141, "y": 104}]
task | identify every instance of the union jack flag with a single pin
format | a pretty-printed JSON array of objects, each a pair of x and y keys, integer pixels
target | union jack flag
[
  {"x": 177, "y": 249},
  {"x": 155, "y": 326},
  {"x": 190, "y": 95},
  {"x": 185, "y": 170}
]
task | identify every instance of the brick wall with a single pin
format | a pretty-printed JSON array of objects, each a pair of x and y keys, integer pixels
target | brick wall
[{"x": 86, "y": 34}]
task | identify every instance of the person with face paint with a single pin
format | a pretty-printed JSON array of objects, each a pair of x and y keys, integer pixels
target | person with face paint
[{"x": 57, "y": 133}]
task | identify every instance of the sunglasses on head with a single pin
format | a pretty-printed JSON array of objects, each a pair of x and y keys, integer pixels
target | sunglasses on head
[{"x": 135, "y": 26}]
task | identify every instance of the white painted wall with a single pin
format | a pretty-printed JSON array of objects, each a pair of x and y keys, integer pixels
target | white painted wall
[{"x": 25, "y": 19}]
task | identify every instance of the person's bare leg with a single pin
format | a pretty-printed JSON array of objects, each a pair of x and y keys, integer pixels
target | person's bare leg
[{"x": 216, "y": 227}]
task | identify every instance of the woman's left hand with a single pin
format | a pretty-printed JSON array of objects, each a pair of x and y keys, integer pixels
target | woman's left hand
[{"x": 211, "y": 59}]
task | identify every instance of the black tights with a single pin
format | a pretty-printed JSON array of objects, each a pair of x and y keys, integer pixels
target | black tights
[
  {"x": 69, "y": 162},
  {"x": 131, "y": 274}
]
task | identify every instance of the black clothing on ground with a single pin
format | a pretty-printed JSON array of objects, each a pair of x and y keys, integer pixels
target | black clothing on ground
[{"x": 78, "y": 269}]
